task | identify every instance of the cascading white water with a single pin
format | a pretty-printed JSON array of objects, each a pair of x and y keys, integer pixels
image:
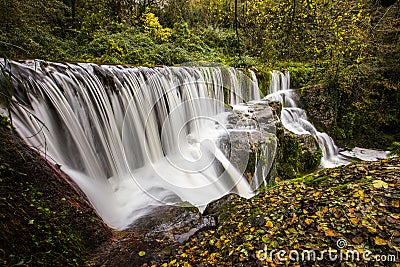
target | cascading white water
[
  {"x": 295, "y": 119},
  {"x": 133, "y": 138}
]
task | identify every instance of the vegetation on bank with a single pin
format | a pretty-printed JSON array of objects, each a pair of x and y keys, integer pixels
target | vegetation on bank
[{"x": 43, "y": 220}]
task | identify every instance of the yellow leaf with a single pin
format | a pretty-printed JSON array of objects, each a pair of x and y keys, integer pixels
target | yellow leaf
[
  {"x": 269, "y": 224},
  {"x": 308, "y": 221},
  {"x": 359, "y": 193},
  {"x": 329, "y": 232},
  {"x": 379, "y": 184},
  {"x": 396, "y": 203},
  {"x": 354, "y": 220},
  {"x": 379, "y": 241},
  {"x": 367, "y": 225},
  {"x": 142, "y": 253}
]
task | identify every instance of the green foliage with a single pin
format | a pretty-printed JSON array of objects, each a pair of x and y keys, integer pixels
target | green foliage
[
  {"x": 395, "y": 149},
  {"x": 365, "y": 108}
]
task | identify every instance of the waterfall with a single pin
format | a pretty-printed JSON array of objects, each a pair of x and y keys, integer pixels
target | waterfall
[
  {"x": 295, "y": 119},
  {"x": 133, "y": 137}
]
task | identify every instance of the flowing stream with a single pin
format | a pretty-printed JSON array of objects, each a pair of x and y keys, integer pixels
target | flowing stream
[
  {"x": 133, "y": 137},
  {"x": 295, "y": 119}
]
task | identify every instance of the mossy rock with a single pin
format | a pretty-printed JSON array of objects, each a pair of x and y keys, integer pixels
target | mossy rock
[{"x": 297, "y": 154}]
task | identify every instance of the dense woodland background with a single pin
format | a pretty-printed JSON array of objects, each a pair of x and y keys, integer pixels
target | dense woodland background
[{"x": 350, "y": 48}]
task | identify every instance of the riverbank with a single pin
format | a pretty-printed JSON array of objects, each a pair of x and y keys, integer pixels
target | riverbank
[
  {"x": 45, "y": 220},
  {"x": 352, "y": 210}
]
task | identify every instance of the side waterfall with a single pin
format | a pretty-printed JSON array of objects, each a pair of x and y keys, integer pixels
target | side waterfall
[
  {"x": 133, "y": 137},
  {"x": 295, "y": 119}
]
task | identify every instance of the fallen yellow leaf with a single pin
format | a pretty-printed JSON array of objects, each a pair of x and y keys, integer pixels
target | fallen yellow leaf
[
  {"x": 329, "y": 232},
  {"x": 359, "y": 193},
  {"x": 269, "y": 224},
  {"x": 379, "y": 184},
  {"x": 354, "y": 220},
  {"x": 308, "y": 221},
  {"x": 142, "y": 253},
  {"x": 379, "y": 241}
]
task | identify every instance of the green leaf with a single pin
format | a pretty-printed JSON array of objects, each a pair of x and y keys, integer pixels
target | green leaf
[{"x": 142, "y": 253}]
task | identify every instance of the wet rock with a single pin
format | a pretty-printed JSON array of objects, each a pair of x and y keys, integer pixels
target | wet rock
[
  {"x": 259, "y": 146},
  {"x": 252, "y": 140},
  {"x": 319, "y": 106},
  {"x": 239, "y": 149},
  {"x": 219, "y": 209},
  {"x": 171, "y": 223},
  {"x": 308, "y": 142},
  {"x": 297, "y": 154}
]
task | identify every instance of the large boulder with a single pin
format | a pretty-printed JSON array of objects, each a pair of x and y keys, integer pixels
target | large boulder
[
  {"x": 251, "y": 146},
  {"x": 171, "y": 223}
]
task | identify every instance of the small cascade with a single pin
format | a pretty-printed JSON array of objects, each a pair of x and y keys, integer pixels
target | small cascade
[
  {"x": 134, "y": 138},
  {"x": 294, "y": 119}
]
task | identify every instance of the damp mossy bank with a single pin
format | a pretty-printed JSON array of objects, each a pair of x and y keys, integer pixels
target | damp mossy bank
[{"x": 45, "y": 219}]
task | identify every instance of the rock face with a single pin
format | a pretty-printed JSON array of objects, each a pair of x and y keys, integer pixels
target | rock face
[
  {"x": 171, "y": 223},
  {"x": 262, "y": 149},
  {"x": 252, "y": 141},
  {"x": 215, "y": 208},
  {"x": 319, "y": 107},
  {"x": 297, "y": 154},
  {"x": 284, "y": 154}
]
